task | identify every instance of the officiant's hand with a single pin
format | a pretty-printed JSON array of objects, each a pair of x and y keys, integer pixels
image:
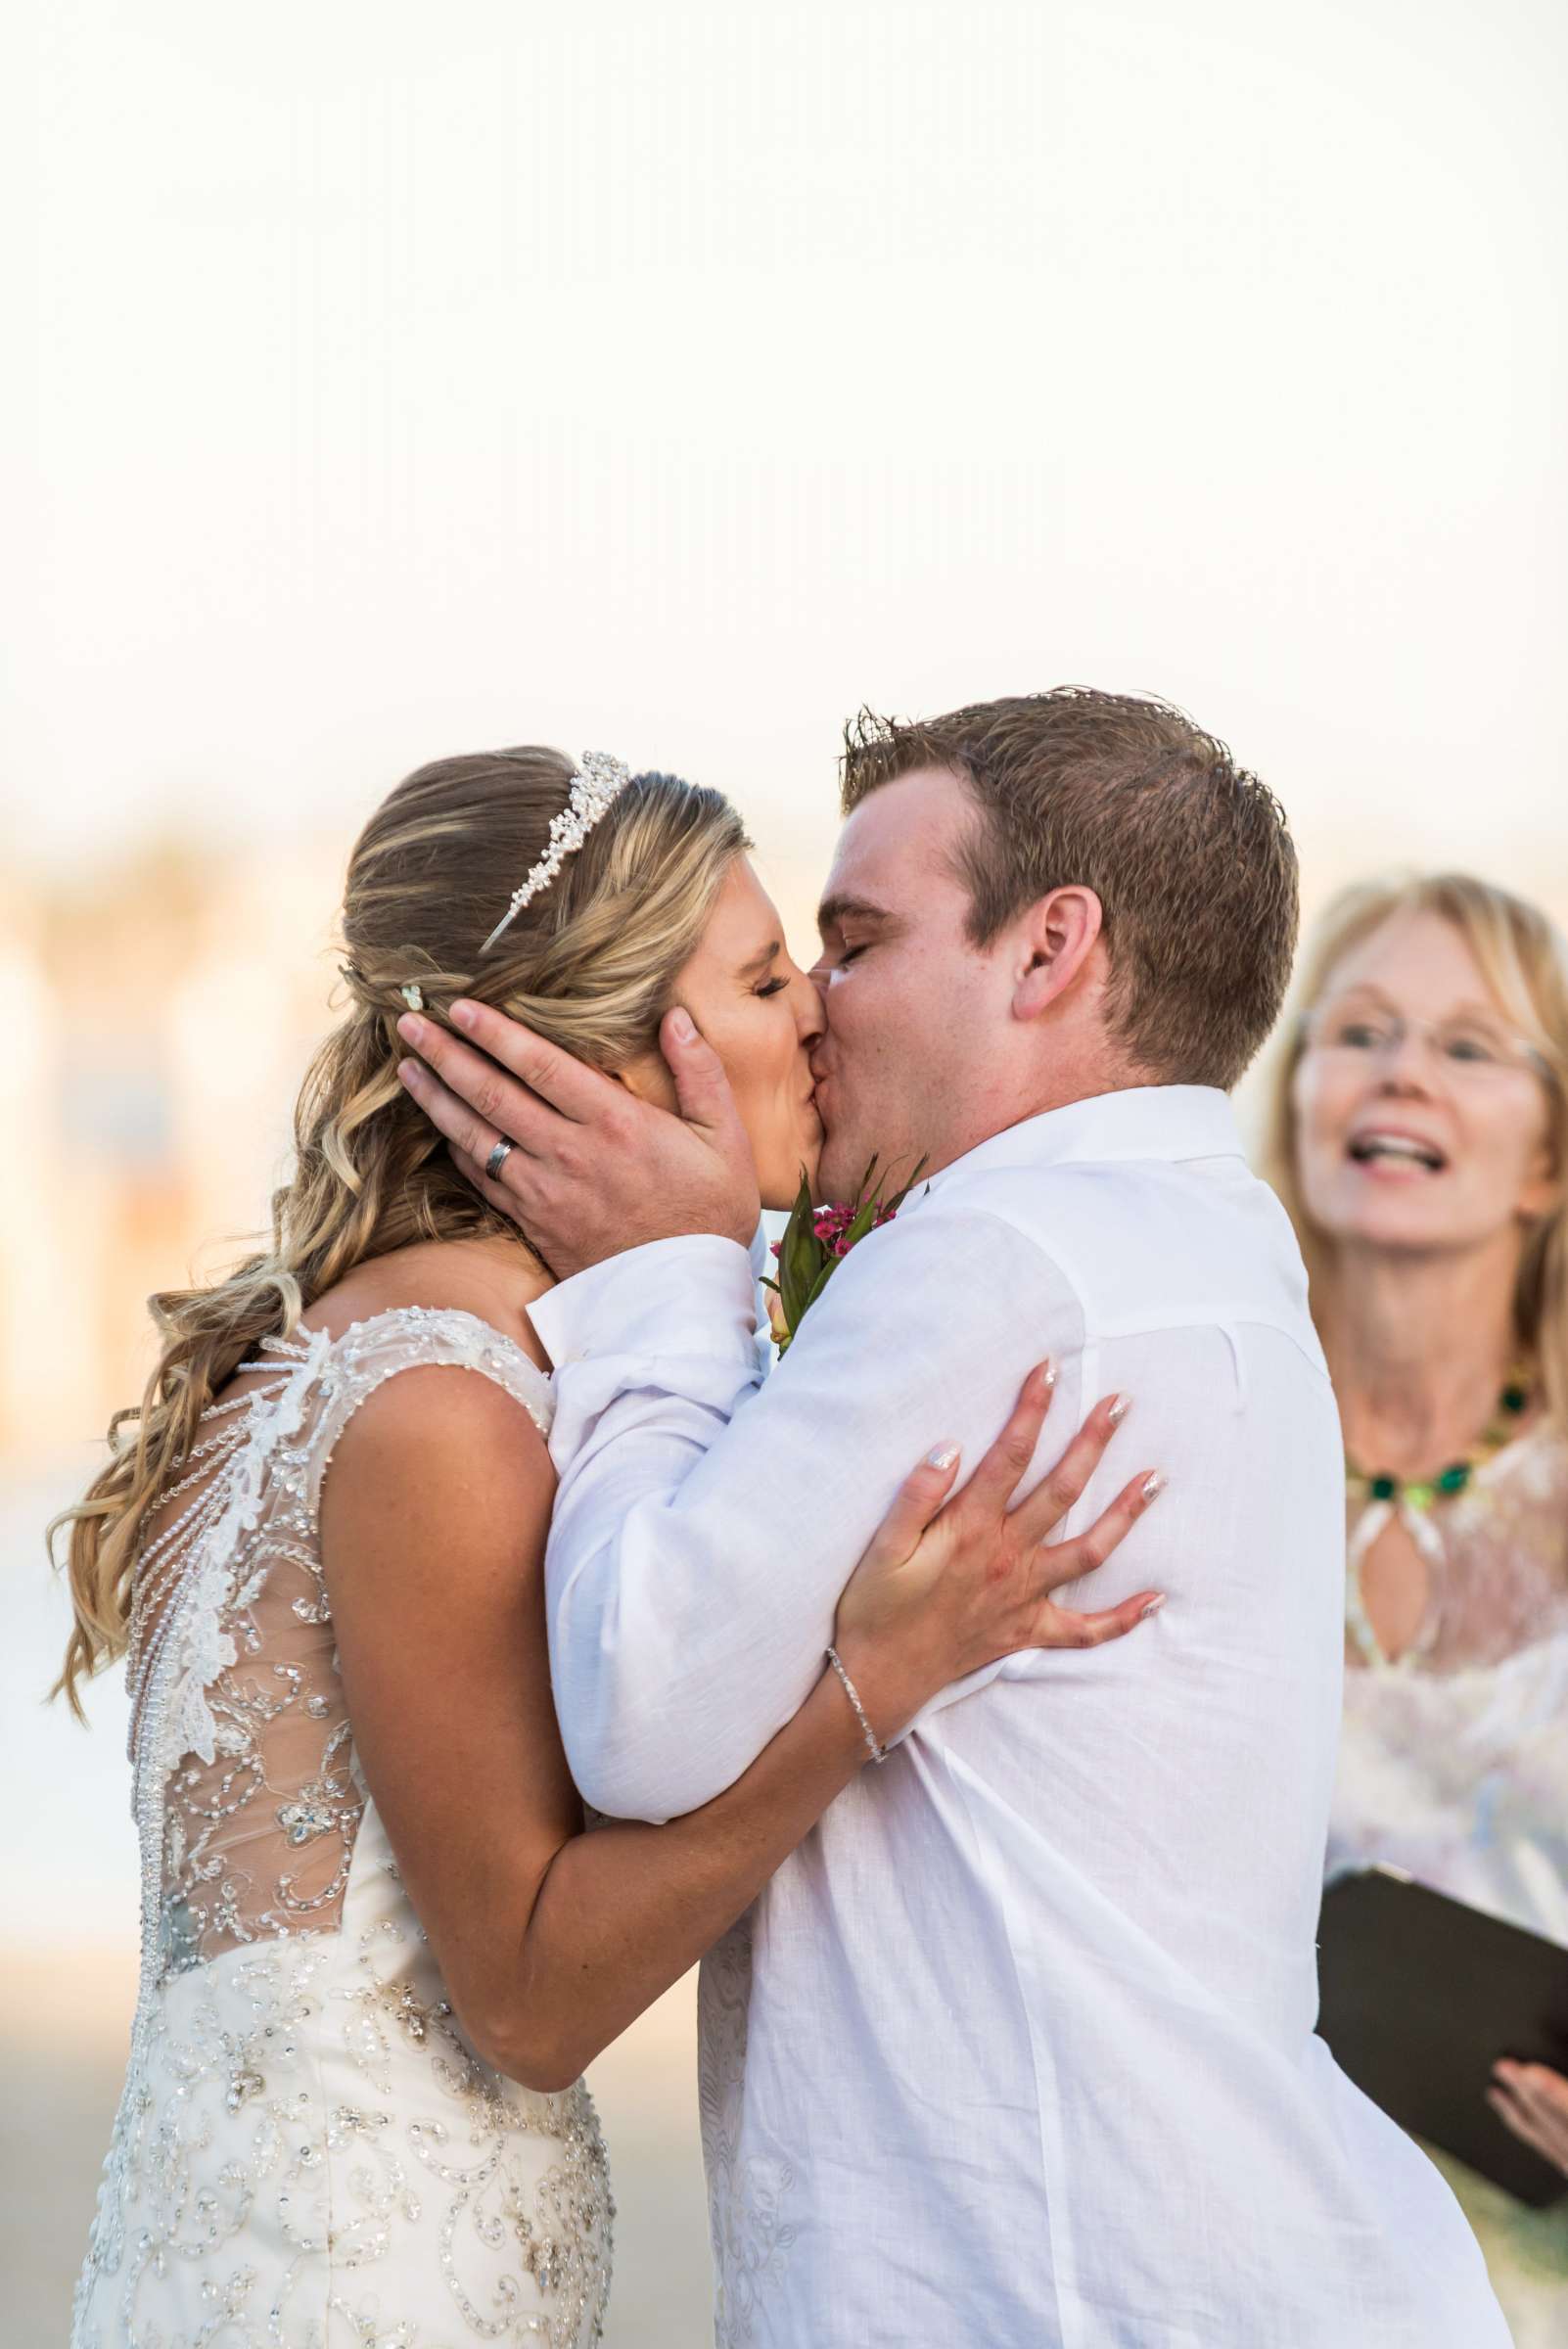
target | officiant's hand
[
  {"x": 1534, "y": 2101},
  {"x": 953, "y": 1580},
  {"x": 593, "y": 1171}
]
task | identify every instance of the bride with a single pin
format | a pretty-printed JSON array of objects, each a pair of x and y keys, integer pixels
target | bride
[{"x": 380, "y": 1942}]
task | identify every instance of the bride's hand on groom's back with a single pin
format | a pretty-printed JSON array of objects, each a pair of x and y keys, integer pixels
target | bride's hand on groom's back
[
  {"x": 593, "y": 1171},
  {"x": 954, "y": 1578}
]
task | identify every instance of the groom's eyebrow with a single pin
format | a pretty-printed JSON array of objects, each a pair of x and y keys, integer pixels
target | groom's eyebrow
[{"x": 833, "y": 912}]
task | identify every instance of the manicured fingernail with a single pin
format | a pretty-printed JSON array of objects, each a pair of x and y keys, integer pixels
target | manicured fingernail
[
  {"x": 943, "y": 1456},
  {"x": 463, "y": 1015},
  {"x": 1047, "y": 1375},
  {"x": 1154, "y": 1486},
  {"x": 1121, "y": 1404},
  {"x": 680, "y": 1027},
  {"x": 1153, "y": 1607},
  {"x": 411, "y": 1030}
]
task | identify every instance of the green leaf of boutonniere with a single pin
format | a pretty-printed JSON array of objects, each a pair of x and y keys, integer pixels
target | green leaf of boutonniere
[{"x": 816, "y": 1242}]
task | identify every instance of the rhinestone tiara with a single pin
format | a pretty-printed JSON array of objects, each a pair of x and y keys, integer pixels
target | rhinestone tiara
[{"x": 597, "y": 783}]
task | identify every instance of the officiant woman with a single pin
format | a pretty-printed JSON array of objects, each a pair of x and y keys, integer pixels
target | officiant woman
[{"x": 1419, "y": 1139}]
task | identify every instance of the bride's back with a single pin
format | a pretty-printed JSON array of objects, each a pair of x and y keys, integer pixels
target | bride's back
[
  {"x": 240, "y": 1730},
  {"x": 297, "y": 2070}
]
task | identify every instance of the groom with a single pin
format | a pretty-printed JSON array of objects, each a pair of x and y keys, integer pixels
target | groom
[{"x": 1017, "y": 2049}]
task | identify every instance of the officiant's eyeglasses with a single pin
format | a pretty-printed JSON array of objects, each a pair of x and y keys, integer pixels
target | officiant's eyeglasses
[{"x": 1470, "y": 1049}]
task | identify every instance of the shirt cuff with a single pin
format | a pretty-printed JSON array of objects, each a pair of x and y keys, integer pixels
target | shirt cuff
[{"x": 696, "y": 1294}]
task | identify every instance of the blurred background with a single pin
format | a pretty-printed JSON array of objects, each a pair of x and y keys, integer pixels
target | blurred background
[{"x": 673, "y": 379}]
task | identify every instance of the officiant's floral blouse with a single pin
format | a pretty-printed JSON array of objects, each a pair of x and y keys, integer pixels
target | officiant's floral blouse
[{"x": 1454, "y": 1766}]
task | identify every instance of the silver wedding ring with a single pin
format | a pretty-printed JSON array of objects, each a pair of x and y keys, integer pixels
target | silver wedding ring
[{"x": 497, "y": 1159}]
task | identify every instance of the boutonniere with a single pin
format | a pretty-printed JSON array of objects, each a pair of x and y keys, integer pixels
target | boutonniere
[{"x": 816, "y": 1240}]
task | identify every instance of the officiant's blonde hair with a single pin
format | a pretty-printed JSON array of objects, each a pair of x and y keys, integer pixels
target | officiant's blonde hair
[
  {"x": 591, "y": 964},
  {"x": 1523, "y": 959}
]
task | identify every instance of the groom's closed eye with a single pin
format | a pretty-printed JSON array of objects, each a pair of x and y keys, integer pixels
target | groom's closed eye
[{"x": 848, "y": 926}]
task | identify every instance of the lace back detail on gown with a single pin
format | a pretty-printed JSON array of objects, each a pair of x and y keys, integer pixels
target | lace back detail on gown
[
  {"x": 238, "y": 1730},
  {"x": 307, "y": 2151}
]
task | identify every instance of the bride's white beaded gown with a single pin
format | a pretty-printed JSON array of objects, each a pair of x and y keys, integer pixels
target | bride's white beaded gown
[{"x": 308, "y": 2154}]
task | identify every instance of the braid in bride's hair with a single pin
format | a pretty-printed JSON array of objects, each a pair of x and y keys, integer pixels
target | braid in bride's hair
[{"x": 589, "y": 963}]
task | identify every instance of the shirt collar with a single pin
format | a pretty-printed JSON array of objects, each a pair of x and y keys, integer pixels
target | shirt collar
[{"x": 1169, "y": 1122}]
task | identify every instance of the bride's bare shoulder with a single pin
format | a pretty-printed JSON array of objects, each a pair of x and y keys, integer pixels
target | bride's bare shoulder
[
  {"x": 492, "y": 1278},
  {"x": 458, "y": 1466},
  {"x": 454, "y": 1457}
]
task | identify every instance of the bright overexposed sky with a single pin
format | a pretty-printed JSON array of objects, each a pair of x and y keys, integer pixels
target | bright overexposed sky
[
  {"x": 386, "y": 379},
  {"x": 391, "y": 377},
  {"x": 673, "y": 377}
]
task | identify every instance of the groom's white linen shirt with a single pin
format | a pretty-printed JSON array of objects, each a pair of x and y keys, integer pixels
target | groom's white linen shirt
[{"x": 1022, "y": 2033}]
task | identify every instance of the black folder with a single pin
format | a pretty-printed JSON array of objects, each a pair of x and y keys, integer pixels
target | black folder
[{"x": 1420, "y": 1996}]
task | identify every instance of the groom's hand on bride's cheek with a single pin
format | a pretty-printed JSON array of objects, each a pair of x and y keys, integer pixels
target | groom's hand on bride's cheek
[{"x": 592, "y": 1170}]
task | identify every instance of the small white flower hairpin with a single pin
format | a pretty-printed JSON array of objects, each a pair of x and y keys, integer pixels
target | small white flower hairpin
[{"x": 413, "y": 996}]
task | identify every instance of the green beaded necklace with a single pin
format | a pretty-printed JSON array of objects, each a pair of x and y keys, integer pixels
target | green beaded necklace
[{"x": 1421, "y": 1493}]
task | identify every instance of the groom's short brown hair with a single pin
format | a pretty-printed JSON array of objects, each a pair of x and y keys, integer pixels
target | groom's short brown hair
[{"x": 1190, "y": 855}]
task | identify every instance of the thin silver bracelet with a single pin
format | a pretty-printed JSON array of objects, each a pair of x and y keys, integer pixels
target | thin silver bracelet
[{"x": 878, "y": 1752}]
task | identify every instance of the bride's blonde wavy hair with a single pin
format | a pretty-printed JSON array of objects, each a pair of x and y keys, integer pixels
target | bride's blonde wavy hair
[
  {"x": 591, "y": 964},
  {"x": 1523, "y": 959}
]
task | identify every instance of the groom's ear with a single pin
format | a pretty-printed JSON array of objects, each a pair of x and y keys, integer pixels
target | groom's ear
[{"x": 1054, "y": 940}]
